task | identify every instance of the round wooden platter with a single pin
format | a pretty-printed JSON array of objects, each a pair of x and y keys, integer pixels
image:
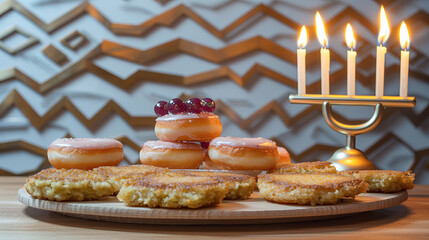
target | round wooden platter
[{"x": 255, "y": 210}]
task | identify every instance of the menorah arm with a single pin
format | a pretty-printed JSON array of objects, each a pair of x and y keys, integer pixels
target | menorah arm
[
  {"x": 349, "y": 129},
  {"x": 387, "y": 101}
]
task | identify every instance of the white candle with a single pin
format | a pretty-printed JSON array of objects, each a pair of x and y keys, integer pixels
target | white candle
[
  {"x": 379, "y": 74},
  {"x": 324, "y": 54},
  {"x": 403, "y": 90},
  {"x": 351, "y": 72},
  {"x": 351, "y": 61},
  {"x": 381, "y": 52},
  {"x": 405, "y": 60},
  {"x": 324, "y": 57},
  {"x": 300, "y": 52}
]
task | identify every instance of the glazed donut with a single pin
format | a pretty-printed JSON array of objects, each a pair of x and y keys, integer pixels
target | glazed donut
[
  {"x": 208, "y": 163},
  {"x": 284, "y": 156},
  {"x": 174, "y": 155},
  {"x": 85, "y": 153},
  {"x": 243, "y": 153},
  {"x": 201, "y": 127}
]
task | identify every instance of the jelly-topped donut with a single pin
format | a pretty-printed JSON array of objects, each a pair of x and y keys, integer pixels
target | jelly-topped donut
[
  {"x": 174, "y": 155},
  {"x": 192, "y": 120},
  {"x": 201, "y": 127},
  {"x": 85, "y": 153},
  {"x": 231, "y": 153}
]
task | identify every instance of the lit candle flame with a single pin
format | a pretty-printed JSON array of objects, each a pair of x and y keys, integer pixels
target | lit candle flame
[
  {"x": 383, "y": 35},
  {"x": 350, "y": 38},
  {"x": 302, "y": 40},
  {"x": 404, "y": 37},
  {"x": 321, "y": 33}
]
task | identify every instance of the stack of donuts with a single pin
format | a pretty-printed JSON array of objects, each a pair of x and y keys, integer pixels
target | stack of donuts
[
  {"x": 182, "y": 129},
  {"x": 189, "y": 135}
]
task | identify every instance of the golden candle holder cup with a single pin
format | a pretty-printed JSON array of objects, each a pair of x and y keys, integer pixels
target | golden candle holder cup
[{"x": 349, "y": 157}]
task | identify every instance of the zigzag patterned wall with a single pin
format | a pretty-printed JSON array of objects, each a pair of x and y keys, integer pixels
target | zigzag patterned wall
[{"x": 95, "y": 69}]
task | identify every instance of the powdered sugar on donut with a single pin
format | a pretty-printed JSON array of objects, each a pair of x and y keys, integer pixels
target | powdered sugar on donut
[
  {"x": 260, "y": 143},
  {"x": 86, "y": 143},
  {"x": 172, "y": 117},
  {"x": 171, "y": 145}
]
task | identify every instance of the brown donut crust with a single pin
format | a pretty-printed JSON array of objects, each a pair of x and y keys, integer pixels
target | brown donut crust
[
  {"x": 253, "y": 154},
  {"x": 243, "y": 151},
  {"x": 172, "y": 158},
  {"x": 86, "y": 166},
  {"x": 66, "y": 150}
]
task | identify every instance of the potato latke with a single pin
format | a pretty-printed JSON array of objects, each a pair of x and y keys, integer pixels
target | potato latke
[{"x": 309, "y": 188}]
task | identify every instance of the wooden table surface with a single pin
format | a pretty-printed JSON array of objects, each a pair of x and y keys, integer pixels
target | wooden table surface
[{"x": 408, "y": 220}]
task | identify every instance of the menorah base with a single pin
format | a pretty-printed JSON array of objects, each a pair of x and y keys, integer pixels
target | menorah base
[{"x": 350, "y": 159}]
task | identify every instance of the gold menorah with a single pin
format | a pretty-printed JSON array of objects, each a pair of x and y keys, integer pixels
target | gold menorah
[{"x": 349, "y": 157}]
